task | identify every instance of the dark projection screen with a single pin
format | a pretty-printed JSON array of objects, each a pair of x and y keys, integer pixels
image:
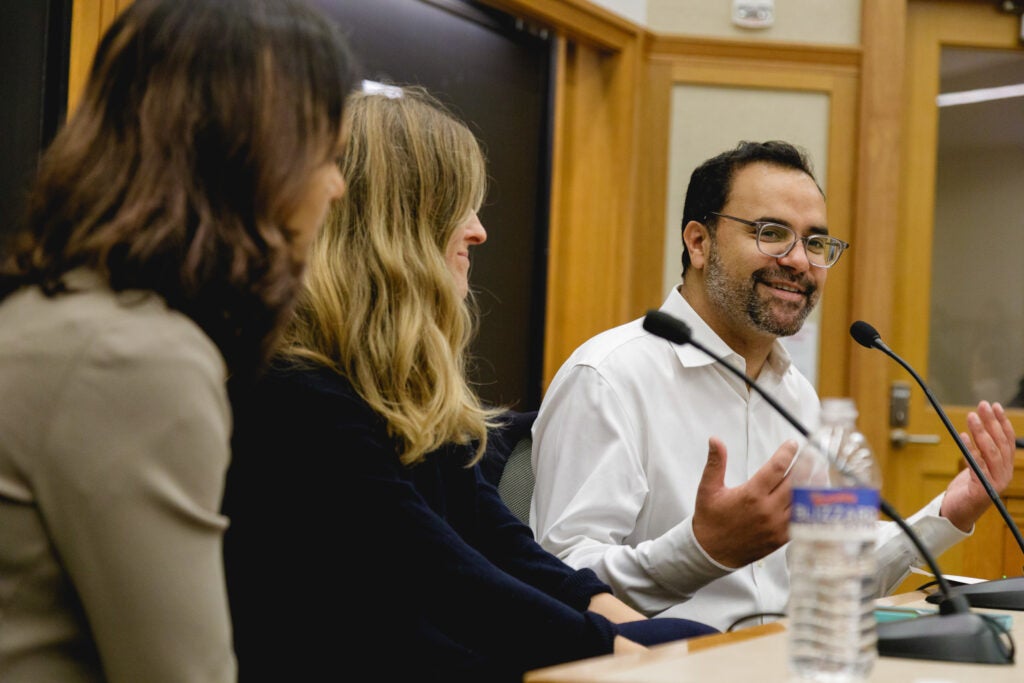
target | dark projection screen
[
  {"x": 34, "y": 40},
  {"x": 495, "y": 75}
]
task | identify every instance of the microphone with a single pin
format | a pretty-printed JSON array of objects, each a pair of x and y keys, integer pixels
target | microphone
[
  {"x": 955, "y": 633},
  {"x": 1006, "y": 593}
]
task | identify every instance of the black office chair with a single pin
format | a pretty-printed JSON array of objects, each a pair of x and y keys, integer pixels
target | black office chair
[{"x": 516, "y": 483}]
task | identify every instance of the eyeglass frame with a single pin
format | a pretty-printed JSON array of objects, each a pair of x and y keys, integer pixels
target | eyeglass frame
[{"x": 761, "y": 225}]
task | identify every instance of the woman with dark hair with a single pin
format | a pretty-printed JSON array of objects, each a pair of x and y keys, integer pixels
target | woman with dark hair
[
  {"x": 166, "y": 235},
  {"x": 356, "y": 492}
]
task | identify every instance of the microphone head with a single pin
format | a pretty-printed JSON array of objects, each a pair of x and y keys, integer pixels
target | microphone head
[
  {"x": 667, "y": 326},
  {"x": 865, "y": 335}
]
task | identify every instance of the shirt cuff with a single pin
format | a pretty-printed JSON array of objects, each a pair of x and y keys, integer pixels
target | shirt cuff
[
  {"x": 936, "y": 532},
  {"x": 678, "y": 562},
  {"x": 896, "y": 554}
]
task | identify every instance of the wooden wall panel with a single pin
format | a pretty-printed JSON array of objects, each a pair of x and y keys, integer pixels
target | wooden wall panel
[
  {"x": 878, "y": 148},
  {"x": 652, "y": 151},
  {"x": 89, "y": 19},
  {"x": 609, "y": 166},
  {"x": 597, "y": 275},
  {"x": 591, "y": 261},
  {"x": 589, "y": 274}
]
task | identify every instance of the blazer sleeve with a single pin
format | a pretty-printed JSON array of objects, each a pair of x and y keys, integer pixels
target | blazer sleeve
[{"x": 129, "y": 481}]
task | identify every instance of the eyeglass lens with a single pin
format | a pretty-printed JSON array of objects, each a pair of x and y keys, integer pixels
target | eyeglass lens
[{"x": 778, "y": 240}]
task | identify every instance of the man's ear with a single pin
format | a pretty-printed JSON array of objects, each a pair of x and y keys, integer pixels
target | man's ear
[{"x": 697, "y": 240}]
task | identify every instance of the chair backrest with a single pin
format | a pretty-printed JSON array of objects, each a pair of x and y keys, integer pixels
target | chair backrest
[{"x": 516, "y": 483}]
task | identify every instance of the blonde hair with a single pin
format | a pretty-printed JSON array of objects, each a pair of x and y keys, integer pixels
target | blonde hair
[{"x": 380, "y": 305}]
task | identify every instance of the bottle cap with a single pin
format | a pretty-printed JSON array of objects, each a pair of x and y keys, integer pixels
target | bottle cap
[{"x": 838, "y": 410}]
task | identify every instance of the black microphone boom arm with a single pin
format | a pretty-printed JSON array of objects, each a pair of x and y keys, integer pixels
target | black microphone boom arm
[
  {"x": 1005, "y": 593},
  {"x": 955, "y": 634},
  {"x": 676, "y": 331}
]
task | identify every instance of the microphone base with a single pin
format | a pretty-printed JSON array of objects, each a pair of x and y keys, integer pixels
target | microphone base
[
  {"x": 962, "y": 637},
  {"x": 1007, "y": 594}
]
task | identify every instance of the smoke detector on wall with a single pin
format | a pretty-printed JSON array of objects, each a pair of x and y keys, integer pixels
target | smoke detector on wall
[{"x": 753, "y": 13}]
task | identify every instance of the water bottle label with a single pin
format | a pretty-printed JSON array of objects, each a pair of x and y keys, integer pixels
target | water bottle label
[{"x": 831, "y": 506}]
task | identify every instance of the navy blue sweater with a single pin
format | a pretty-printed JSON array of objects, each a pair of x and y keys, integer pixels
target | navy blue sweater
[{"x": 424, "y": 568}]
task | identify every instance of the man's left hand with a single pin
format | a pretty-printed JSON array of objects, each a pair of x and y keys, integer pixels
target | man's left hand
[{"x": 990, "y": 439}]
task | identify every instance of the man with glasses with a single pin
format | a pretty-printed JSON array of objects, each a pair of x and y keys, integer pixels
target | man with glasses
[{"x": 666, "y": 474}]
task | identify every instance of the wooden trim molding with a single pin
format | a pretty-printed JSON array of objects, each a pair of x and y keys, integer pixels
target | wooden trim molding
[
  {"x": 577, "y": 20},
  {"x": 878, "y": 148},
  {"x": 590, "y": 256},
  {"x": 652, "y": 151},
  {"x": 671, "y": 46},
  {"x": 594, "y": 260}
]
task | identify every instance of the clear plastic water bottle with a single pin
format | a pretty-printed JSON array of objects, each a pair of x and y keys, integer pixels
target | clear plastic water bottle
[{"x": 831, "y": 553}]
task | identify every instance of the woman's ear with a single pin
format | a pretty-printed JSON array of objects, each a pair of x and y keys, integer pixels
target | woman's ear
[{"x": 696, "y": 238}]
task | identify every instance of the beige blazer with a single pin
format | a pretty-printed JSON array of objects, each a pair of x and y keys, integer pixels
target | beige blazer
[{"x": 114, "y": 442}]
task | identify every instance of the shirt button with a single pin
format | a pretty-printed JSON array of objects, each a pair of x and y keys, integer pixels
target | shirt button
[{"x": 759, "y": 564}]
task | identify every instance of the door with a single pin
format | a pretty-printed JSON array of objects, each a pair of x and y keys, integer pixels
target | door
[{"x": 959, "y": 309}]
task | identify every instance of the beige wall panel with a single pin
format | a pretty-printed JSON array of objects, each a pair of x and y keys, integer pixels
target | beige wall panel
[{"x": 709, "y": 119}]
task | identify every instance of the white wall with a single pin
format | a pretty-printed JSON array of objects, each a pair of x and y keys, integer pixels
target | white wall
[
  {"x": 828, "y": 22},
  {"x": 634, "y": 10},
  {"x": 801, "y": 21}
]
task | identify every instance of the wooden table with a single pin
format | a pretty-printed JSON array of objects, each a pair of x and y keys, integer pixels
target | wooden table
[{"x": 758, "y": 654}]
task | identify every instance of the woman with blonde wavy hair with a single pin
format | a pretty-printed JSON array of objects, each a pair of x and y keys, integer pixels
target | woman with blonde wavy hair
[
  {"x": 417, "y": 179},
  {"x": 366, "y": 437}
]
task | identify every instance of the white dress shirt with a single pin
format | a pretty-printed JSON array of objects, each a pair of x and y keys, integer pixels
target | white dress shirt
[{"x": 619, "y": 447}]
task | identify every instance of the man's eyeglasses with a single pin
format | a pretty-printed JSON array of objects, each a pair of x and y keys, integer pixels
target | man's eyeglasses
[{"x": 778, "y": 240}]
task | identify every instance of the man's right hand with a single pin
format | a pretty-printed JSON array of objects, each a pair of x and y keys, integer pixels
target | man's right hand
[{"x": 739, "y": 525}]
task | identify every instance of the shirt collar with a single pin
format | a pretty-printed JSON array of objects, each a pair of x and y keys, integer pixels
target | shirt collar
[{"x": 778, "y": 360}]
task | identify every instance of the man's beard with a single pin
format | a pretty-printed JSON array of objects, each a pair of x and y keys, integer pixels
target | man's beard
[{"x": 731, "y": 296}]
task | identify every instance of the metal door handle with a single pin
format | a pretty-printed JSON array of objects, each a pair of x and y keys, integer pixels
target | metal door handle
[{"x": 900, "y": 438}]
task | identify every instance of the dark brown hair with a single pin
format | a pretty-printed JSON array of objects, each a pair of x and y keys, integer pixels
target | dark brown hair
[
  {"x": 197, "y": 130},
  {"x": 711, "y": 182}
]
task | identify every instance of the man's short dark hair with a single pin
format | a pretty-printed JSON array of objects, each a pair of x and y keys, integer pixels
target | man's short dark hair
[{"x": 711, "y": 182}]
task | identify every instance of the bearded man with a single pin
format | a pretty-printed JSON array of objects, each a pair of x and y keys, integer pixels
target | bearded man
[{"x": 666, "y": 474}]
